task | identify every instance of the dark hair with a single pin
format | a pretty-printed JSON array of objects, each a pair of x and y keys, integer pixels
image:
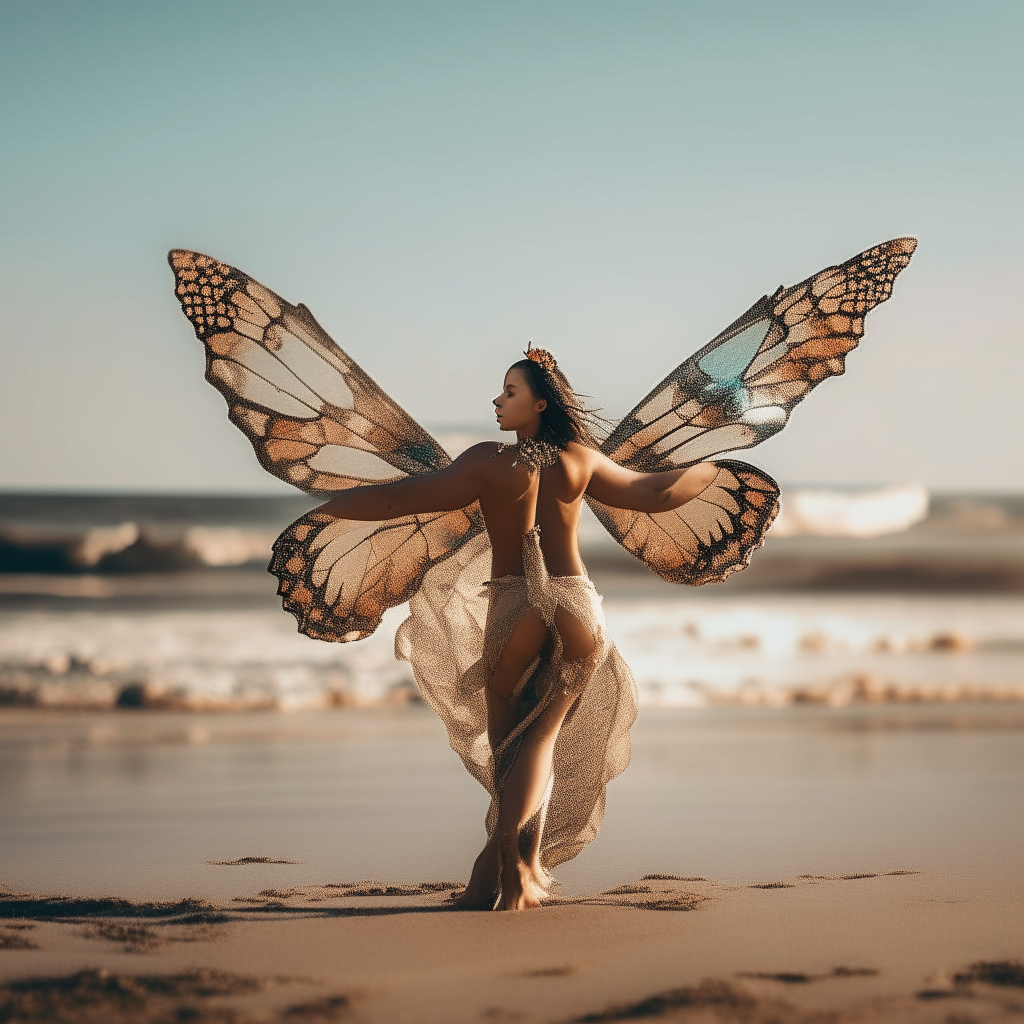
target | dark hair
[{"x": 566, "y": 418}]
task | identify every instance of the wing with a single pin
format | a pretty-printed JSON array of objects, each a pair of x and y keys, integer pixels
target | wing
[
  {"x": 316, "y": 420},
  {"x": 710, "y": 536},
  {"x": 740, "y": 388},
  {"x": 735, "y": 392},
  {"x": 338, "y": 576}
]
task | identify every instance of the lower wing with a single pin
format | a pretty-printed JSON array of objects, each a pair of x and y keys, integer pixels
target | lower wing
[
  {"x": 337, "y": 576},
  {"x": 710, "y": 536}
]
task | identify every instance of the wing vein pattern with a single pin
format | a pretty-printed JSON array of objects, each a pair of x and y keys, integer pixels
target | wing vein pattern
[
  {"x": 735, "y": 392},
  {"x": 317, "y": 421}
]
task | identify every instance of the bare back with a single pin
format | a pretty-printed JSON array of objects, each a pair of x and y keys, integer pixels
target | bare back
[{"x": 514, "y": 499}]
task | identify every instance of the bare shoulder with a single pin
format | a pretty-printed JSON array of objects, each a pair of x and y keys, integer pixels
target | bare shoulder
[
  {"x": 583, "y": 454},
  {"x": 479, "y": 453},
  {"x": 478, "y": 458},
  {"x": 582, "y": 458}
]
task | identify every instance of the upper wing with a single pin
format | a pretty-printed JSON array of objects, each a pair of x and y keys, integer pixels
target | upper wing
[
  {"x": 739, "y": 389},
  {"x": 315, "y": 419}
]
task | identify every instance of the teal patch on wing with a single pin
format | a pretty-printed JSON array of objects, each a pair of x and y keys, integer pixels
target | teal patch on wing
[
  {"x": 424, "y": 453},
  {"x": 728, "y": 361},
  {"x": 730, "y": 395}
]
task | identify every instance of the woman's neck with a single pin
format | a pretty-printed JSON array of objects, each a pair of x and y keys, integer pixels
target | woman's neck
[{"x": 528, "y": 433}]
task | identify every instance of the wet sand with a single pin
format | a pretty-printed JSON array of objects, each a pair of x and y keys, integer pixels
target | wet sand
[{"x": 816, "y": 864}]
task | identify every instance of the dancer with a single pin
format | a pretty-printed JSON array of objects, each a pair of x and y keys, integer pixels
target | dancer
[{"x": 505, "y": 633}]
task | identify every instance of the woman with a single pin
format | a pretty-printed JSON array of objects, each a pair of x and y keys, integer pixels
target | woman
[{"x": 544, "y": 637}]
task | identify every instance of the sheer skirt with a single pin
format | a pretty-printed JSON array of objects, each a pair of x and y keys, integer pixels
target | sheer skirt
[{"x": 458, "y": 627}]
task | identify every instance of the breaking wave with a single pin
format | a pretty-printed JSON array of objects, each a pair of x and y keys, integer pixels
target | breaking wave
[
  {"x": 875, "y": 513},
  {"x": 127, "y": 547}
]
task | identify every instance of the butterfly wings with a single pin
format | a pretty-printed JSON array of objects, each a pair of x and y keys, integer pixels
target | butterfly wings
[
  {"x": 314, "y": 418},
  {"x": 734, "y": 393},
  {"x": 318, "y": 421}
]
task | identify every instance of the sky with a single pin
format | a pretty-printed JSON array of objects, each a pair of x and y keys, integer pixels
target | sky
[{"x": 442, "y": 181}]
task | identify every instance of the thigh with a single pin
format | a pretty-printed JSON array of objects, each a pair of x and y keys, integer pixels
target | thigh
[
  {"x": 523, "y": 645},
  {"x": 544, "y": 730},
  {"x": 577, "y": 641}
]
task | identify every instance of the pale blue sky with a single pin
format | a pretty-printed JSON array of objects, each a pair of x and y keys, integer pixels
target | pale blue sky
[{"x": 440, "y": 181}]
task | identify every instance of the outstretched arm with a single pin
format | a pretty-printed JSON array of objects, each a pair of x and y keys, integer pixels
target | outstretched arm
[
  {"x": 611, "y": 484},
  {"x": 455, "y": 486}
]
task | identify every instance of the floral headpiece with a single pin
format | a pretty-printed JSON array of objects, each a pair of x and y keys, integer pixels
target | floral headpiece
[{"x": 542, "y": 357}]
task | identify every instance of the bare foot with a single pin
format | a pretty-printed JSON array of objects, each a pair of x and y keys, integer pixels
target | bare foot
[
  {"x": 540, "y": 879},
  {"x": 518, "y": 889},
  {"x": 482, "y": 889},
  {"x": 475, "y": 899}
]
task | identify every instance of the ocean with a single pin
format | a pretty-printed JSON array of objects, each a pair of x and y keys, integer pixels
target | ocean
[{"x": 163, "y": 602}]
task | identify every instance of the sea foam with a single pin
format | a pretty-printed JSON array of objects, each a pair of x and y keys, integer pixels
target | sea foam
[{"x": 770, "y": 650}]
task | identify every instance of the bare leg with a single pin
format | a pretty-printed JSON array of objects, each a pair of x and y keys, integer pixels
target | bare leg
[
  {"x": 520, "y": 798},
  {"x": 522, "y": 647},
  {"x": 528, "y": 779},
  {"x": 541, "y": 879}
]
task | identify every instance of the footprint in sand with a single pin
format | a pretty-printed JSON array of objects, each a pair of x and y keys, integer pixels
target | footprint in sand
[{"x": 252, "y": 860}]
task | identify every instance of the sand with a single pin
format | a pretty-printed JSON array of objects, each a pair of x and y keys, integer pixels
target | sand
[
  {"x": 884, "y": 947},
  {"x": 823, "y": 866}
]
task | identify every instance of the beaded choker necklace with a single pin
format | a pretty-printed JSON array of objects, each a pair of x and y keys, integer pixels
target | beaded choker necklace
[{"x": 532, "y": 453}]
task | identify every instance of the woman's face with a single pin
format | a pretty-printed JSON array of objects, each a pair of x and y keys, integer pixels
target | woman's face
[{"x": 517, "y": 406}]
